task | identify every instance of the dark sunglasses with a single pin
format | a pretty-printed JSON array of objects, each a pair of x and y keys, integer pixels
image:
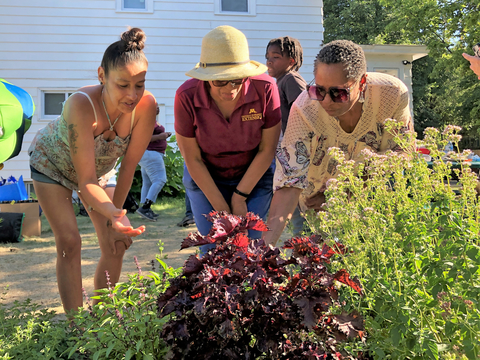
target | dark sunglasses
[
  {"x": 222, "y": 83},
  {"x": 337, "y": 95}
]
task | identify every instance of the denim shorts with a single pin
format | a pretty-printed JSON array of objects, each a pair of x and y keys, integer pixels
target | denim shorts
[{"x": 38, "y": 176}]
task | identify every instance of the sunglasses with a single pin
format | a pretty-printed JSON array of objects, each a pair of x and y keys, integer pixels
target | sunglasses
[
  {"x": 337, "y": 95},
  {"x": 222, "y": 83}
]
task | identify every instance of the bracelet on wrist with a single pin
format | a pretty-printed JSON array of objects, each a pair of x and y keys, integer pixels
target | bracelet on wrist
[{"x": 236, "y": 191}]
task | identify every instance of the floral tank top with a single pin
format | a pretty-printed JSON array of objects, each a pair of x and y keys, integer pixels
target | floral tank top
[{"x": 50, "y": 152}]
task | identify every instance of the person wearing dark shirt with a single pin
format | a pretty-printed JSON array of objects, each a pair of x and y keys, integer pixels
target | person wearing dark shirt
[
  {"x": 284, "y": 57},
  {"x": 154, "y": 175}
]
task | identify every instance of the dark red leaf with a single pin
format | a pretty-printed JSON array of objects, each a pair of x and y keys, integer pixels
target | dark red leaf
[
  {"x": 226, "y": 329},
  {"x": 307, "y": 306},
  {"x": 238, "y": 264},
  {"x": 241, "y": 240},
  {"x": 254, "y": 222},
  {"x": 344, "y": 277},
  {"x": 180, "y": 330},
  {"x": 349, "y": 324},
  {"x": 192, "y": 266},
  {"x": 258, "y": 274},
  {"x": 327, "y": 251},
  {"x": 167, "y": 295},
  {"x": 195, "y": 239}
]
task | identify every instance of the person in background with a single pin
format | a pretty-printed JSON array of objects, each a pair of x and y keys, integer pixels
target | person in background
[
  {"x": 188, "y": 218},
  {"x": 98, "y": 125},
  {"x": 227, "y": 123},
  {"x": 345, "y": 107},
  {"x": 284, "y": 57},
  {"x": 154, "y": 175}
]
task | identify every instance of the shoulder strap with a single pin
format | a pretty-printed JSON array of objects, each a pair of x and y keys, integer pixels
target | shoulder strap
[
  {"x": 133, "y": 118},
  {"x": 91, "y": 102}
]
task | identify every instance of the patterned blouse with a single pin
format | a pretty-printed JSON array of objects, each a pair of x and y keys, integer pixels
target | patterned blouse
[
  {"x": 50, "y": 152},
  {"x": 302, "y": 159}
]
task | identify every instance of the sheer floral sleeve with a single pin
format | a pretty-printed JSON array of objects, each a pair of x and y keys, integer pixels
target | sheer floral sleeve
[{"x": 294, "y": 152}]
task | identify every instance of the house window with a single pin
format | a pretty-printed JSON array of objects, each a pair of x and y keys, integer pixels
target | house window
[
  {"x": 134, "y": 4},
  {"x": 235, "y": 7},
  {"x": 145, "y": 6},
  {"x": 52, "y": 103}
]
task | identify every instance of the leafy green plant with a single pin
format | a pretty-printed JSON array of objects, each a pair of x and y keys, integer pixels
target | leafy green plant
[
  {"x": 26, "y": 332},
  {"x": 124, "y": 325},
  {"x": 243, "y": 300},
  {"x": 174, "y": 165},
  {"x": 415, "y": 241}
]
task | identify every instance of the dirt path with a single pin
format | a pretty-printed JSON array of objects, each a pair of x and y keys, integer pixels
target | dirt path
[{"x": 28, "y": 267}]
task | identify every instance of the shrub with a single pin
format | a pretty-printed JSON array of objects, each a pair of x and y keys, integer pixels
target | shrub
[
  {"x": 26, "y": 332},
  {"x": 124, "y": 325},
  {"x": 415, "y": 244},
  {"x": 243, "y": 300},
  {"x": 174, "y": 166}
]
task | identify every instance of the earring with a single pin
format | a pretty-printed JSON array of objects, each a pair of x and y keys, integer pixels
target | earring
[{"x": 361, "y": 98}]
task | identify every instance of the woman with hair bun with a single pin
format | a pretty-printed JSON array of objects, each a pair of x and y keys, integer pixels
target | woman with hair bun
[{"x": 79, "y": 150}]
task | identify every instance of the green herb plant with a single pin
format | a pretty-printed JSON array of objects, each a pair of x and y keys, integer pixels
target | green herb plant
[
  {"x": 124, "y": 325},
  {"x": 26, "y": 332},
  {"x": 414, "y": 242}
]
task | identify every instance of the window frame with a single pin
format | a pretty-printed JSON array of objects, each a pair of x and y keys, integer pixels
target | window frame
[
  {"x": 251, "y": 4},
  {"x": 148, "y": 8},
  {"x": 42, "y": 116}
]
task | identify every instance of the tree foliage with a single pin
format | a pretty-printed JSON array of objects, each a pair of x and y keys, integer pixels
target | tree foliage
[{"x": 361, "y": 21}]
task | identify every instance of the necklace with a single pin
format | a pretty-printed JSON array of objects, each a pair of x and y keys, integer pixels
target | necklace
[{"x": 109, "y": 134}]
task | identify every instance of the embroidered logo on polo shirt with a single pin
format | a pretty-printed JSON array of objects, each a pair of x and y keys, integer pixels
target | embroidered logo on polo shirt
[{"x": 252, "y": 115}]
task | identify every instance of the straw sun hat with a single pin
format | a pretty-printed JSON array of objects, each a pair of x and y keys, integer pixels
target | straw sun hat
[{"x": 225, "y": 56}]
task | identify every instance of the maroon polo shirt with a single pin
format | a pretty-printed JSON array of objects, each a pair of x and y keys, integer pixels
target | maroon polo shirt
[{"x": 227, "y": 147}]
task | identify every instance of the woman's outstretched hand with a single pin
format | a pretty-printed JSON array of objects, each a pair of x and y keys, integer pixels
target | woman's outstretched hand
[{"x": 121, "y": 225}]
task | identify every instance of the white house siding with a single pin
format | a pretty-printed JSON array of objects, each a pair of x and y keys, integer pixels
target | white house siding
[{"x": 58, "y": 44}]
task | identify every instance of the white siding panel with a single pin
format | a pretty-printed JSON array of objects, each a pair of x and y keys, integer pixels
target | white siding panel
[
  {"x": 315, "y": 4},
  {"x": 290, "y": 10},
  {"x": 58, "y": 44}
]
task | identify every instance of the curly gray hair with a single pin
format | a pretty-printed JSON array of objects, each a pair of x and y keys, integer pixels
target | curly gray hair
[{"x": 345, "y": 52}]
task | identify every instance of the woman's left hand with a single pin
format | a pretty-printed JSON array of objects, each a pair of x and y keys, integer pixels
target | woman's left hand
[
  {"x": 124, "y": 232},
  {"x": 121, "y": 224},
  {"x": 239, "y": 205}
]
